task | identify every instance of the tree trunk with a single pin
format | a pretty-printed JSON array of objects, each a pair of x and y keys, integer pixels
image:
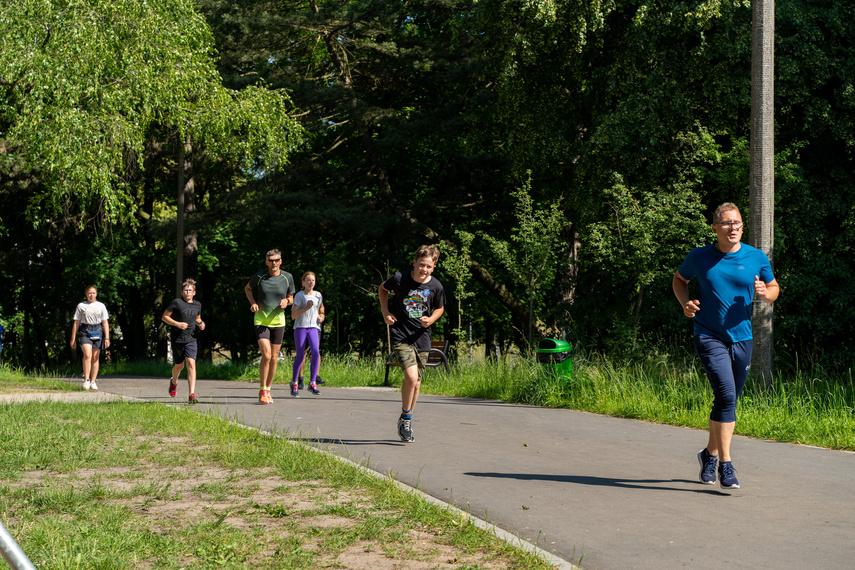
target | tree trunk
[
  {"x": 37, "y": 349},
  {"x": 762, "y": 174},
  {"x": 191, "y": 240},
  {"x": 184, "y": 187},
  {"x": 489, "y": 340},
  {"x": 131, "y": 319},
  {"x": 25, "y": 349},
  {"x": 568, "y": 280},
  {"x": 179, "y": 221}
]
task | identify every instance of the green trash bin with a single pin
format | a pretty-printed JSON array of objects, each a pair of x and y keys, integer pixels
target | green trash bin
[{"x": 554, "y": 356}]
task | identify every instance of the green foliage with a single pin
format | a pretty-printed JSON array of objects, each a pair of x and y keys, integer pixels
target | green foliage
[
  {"x": 530, "y": 255},
  {"x": 642, "y": 243},
  {"x": 647, "y": 235},
  {"x": 455, "y": 264},
  {"x": 84, "y": 83},
  {"x": 420, "y": 119}
]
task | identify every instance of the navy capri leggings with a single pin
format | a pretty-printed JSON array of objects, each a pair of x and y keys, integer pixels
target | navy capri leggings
[{"x": 727, "y": 366}]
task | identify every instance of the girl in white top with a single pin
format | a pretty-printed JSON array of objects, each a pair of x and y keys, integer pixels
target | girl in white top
[
  {"x": 91, "y": 320},
  {"x": 308, "y": 314}
]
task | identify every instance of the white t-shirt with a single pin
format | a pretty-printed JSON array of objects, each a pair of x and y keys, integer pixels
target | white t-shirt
[
  {"x": 309, "y": 319},
  {"x": 91, "y": 313}
]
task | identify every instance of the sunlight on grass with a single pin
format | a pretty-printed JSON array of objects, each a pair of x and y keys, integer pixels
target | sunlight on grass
[
  {"x": 807, "y": 406},
  {"x": 142, "y": 485},
  {"x": 14, "y": 380}
]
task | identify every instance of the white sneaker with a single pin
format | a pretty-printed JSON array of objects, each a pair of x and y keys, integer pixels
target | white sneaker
[
  {"x": 87, "y": 384},
  {"x": 94, "y": 386}
]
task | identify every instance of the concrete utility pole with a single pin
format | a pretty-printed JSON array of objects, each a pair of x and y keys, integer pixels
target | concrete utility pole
[{"x": 762, "y": 170}]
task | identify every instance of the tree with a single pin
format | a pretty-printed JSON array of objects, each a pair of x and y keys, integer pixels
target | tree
[
  {"x": 89, "y": 92},
  {"x": 84, "y": 82},
  {"x": 530, "y": 256},
  {"x": 455, "y": 264}
]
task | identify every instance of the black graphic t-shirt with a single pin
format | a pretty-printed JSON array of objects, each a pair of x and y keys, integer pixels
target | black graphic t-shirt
[
  {"x": 412, "y": 301},
  {"x": 184, "y": 312}
]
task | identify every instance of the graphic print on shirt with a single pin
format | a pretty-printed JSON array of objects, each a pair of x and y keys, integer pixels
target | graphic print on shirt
[{"x": 416, "y": 303}]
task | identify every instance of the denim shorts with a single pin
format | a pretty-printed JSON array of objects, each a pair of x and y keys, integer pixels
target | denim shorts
[{"x": 83, "y": 336}]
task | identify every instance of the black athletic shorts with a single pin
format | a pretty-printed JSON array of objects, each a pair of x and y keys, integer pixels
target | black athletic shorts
[
  {"x": 182, "y": 350},
  {"x": 274, "y": 334}
]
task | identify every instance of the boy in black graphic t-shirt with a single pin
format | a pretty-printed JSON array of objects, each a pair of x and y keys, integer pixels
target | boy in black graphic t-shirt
[
  {"x": 418, "y": 302},
  {"x": 185, "y": 316}
]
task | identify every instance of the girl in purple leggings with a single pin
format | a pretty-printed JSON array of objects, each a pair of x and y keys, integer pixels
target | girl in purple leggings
[{"x": 308, "y": 314}]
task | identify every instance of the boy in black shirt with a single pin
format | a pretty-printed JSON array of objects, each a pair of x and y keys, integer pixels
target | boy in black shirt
[
  {"x": 419, "y": 302},
  {"x": 188, "y": 315}
]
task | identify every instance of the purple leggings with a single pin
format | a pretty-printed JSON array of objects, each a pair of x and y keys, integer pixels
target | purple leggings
[{"x": 306, "y": 338}]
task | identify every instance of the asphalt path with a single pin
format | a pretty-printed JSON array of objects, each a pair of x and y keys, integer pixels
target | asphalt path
[{"x": 599, "y": 492}]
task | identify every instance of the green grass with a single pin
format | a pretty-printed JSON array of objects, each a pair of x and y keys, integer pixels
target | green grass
[
  {"x": 13, "y": 380},
  {"x": 797, "y": 408},
  {"x": 122, "y": 485},
  {"x": 807, "y": 406}
]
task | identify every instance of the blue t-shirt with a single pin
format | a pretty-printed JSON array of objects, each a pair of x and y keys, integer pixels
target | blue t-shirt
[{"x": 725, "y": 289}]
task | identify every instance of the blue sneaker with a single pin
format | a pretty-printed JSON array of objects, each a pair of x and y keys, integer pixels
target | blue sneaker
[
  {"x": 708, "y": 466},
  {"x": 727, "y": 476},
  {"x": 314, "y": 390}
]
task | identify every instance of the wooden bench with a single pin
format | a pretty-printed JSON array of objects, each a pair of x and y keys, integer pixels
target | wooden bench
[{"x": 437, "y": 356}]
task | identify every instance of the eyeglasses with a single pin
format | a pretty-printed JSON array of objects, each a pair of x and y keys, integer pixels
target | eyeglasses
[
  {"x": 274, "y": 260},
  {"x": 734, "y": 225}
]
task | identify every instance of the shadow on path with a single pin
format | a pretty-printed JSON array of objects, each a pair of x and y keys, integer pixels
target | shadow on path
[{"x": 650, "y": 484}]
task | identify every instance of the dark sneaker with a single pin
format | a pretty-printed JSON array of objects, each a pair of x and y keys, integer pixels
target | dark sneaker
[
  {"x": 173, "y": 388},
  {"x": 300, "y": 384},
  {"x": 192, "y": 399},
  {"x": 708, "y": 466},
  {"x": 295, "y": 393},
  {"x": 405, "y": 430},
  {"x": 320, "y": 380},
  {"x": 314, "y": 390},
  {"x": 727, "y": 476}
]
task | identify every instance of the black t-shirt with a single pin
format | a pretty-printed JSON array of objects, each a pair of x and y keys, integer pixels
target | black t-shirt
[
  {"x": 412, "y": 301},
  {"x": 184, "y": 312}
]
